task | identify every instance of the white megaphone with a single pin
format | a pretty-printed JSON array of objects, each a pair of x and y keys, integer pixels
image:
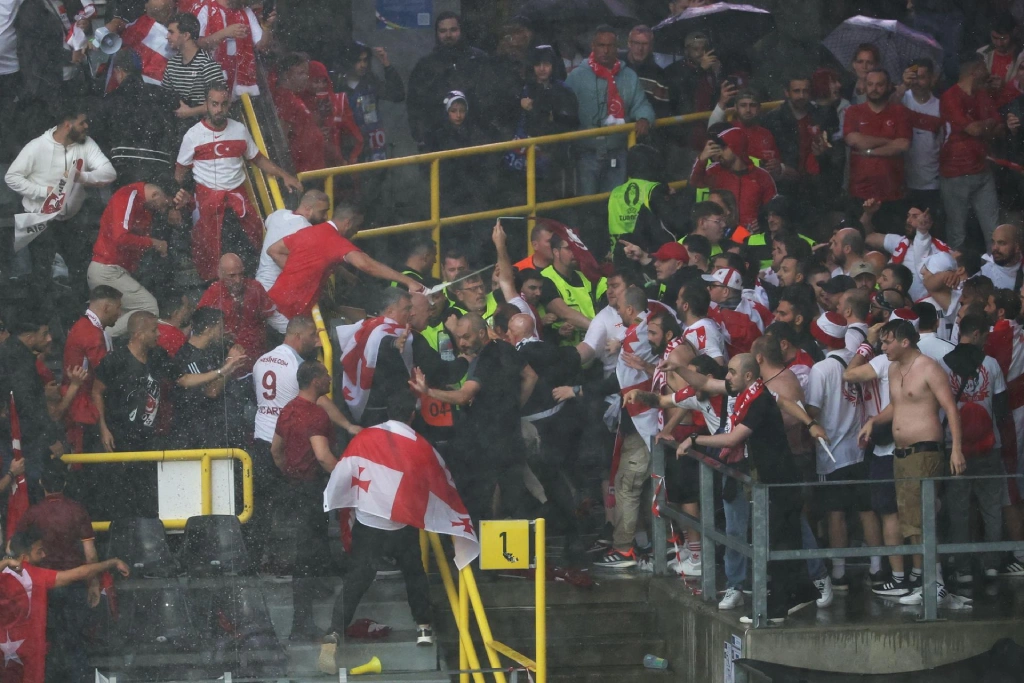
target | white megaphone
[{"x": 104, "y": 40}]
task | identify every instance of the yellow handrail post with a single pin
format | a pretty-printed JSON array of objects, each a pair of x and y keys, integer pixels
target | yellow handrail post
[
  {"x": 425, "y": 551},
  {"x": 531, "y": 193},
  {"x": 631, "y": 139},
  {"x": 483, "y": 624},
  {"x": 465, "y": 638},
  {"x": 329, "y": 191},
  {"x": 435, "y": 211},
  {"x": 540, "y": 600},
  {"x": 206, "y": 485},
  {"x": 463, "y": 626},
  {"x": 257, "y": 137},
  {"x": 326, "y": 351}
]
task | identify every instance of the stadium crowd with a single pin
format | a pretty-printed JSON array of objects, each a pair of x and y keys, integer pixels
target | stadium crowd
[{"x": 834, "y": 297}]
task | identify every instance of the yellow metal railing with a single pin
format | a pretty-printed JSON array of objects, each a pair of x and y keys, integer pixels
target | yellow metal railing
[
  {"x": 269, "y": 189},
  {"x": 468, "y": 595},
  {"x": 204, "y": 456},
  {"x": 530, "y": 208}
]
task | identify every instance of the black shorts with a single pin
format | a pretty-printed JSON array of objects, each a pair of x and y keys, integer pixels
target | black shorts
[
  {"x": 849, "y": 498},
  {"x": 682, "y": 480},
  {"x": 883, "y": 494}
]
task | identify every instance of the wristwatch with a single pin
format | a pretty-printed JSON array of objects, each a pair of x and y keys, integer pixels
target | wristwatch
[{"x": 867, "y": 151}]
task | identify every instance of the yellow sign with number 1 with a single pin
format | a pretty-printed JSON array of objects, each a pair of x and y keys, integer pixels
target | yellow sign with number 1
[{"x": 505, "y": 544}]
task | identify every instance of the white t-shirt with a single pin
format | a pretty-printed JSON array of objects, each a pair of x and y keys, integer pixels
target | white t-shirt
[
  {"x": 841, "y": 411},
  {"x": 988, "y": 382},
  {"x": 920, "y": 249},
  {"x": 606, "y": 325},
  {"x": 706, "y": 337},
  {"x": 520, "y": 303},
  {"x": 217, "y": 157},
  {"x": 948, "y": 327},
  {"x": 879, "y": 390},
  {"x": 1003, "y": 277},
  {"x": 274, "y": 378},
  {"x": 935, "y": 347},
  {"x": 280, "y": 224},
  {"x": 686, "y": 398},
  {"x": 856, "y": 334},
  {"x": 922, "y": 167},
  {"x": 9, "y": 37}
]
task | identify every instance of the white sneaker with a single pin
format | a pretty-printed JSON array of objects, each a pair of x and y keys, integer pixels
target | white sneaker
[
  {"x": 645, "y": 565},
  {"x": 945, "y": 599},
  {"x": 914, "y": 598},
  {"x": 678, "y": 553},
  {"x": 690, "y": 568},
  {"x": 733, "y": 598},
  {"x": 676, "y": 566},
  {"x": 824, "y": 587}
]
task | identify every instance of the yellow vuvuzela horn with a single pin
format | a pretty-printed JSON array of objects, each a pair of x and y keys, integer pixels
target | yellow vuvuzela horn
[{"x": 371, "y": 667}]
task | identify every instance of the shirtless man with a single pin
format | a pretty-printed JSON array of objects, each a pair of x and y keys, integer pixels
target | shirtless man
[{"x": 918, "y": 388}]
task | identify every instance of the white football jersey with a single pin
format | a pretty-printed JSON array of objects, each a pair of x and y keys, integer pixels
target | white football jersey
[
  {"x": 217, "y": 157},
  {"x": 275, "y": 378}
]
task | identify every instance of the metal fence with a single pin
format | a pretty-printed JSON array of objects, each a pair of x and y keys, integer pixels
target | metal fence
[{"x": 759, "y": 551}]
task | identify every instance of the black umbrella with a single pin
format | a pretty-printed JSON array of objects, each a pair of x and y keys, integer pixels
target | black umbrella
[
  {"x": 731, "y": 28},
  {"x": 541, "y": 14}
]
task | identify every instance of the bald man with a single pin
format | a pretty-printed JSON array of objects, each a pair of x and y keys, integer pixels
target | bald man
[
  {"x": 846, "y": 249},
  {"x": 246, "y": 307},
  {"x": 1003, "y": 264}
]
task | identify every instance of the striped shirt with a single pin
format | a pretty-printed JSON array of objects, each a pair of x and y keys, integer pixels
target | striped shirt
[{"x": 189, "y": 81}]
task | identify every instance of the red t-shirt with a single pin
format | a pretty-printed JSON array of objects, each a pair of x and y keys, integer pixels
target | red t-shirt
[
  {"x": 124, "y": 229},
  {"x": 298, "y": 421},
  {"x": 85, "y": 347},
  {"x": 877, "y": 177},
  {"x": 963, "y": 154},
  {"x": 1001, "y": 65},
  {"x": 244, "y": 318},
  {"x": 305, "y": 139},
  {"x": 64, "y": 525},
  {"x": 26, "y": 637},
  {"x": 171, "y": 339},
  {"x": 760, "y": 142},
  {"x": 313, "y": 253},
  {"x": 752, "y": 188}
]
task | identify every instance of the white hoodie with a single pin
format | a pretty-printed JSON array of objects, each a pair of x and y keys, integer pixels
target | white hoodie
[{"x": 43, "y": 162}]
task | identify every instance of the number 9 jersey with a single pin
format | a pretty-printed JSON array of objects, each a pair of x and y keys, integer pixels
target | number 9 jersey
[{"x": 274, "y": 377}]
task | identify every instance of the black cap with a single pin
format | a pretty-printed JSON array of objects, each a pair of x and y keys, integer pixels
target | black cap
[
  {"x": 543, "y": 54},
  {"x": 839, "y": 284}
]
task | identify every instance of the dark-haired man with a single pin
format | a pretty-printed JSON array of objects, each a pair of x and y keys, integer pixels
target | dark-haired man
[
  {"x": 452, "y": 65},
  {"x": 124, "y": 236},
  {"x": 420, "y": 257},
  {"x": 923, "y": 157},
  {"x": 40, "y": 169},
  {"x": 303, "y": 450},
  {"x": 910, "y": 250},
  {"x": 711, "y": 221},
  {"x": 40, "y": 439},
  {"x": 568, "y": 293},
  {"x": 800, "y": 130},
  {"x": 88, "y": 342},
  {"x": 918, "y": 390},
  {"x": 191, "y": 69}
]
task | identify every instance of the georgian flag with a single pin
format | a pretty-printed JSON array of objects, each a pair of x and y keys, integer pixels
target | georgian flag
[
  {"x": 645, "y": 419},
  {"x": 17, "y": 501},
  {"x": 360, "y": 344},
  {"x": 390, "y": 471},
  {"x": 148, "y": 38}
]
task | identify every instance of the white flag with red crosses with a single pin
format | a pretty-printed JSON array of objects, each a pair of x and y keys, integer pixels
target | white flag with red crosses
[{"x": 392, "y": 472}]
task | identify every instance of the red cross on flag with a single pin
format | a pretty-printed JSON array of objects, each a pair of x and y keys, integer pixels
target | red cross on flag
[{"x": 391, "y": 472}]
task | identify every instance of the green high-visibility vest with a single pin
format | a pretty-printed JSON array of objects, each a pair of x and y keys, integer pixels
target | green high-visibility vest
[
  {"x": 715, "y": 249},
  {"x": 439, "y": 339},
  {"x": 579, "y": 298},
  {"x": 624, "y": 206},
  {"x": 408, "y": 273},
  {"x": 760, "y": 239},
  {"x": 492, "y": 306}
]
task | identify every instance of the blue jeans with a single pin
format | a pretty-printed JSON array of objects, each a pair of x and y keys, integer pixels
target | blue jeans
[
  {"x": 737, "y": 521},
  {"x": 595, "y": 173},
  {"x": 962, "y": 193}
]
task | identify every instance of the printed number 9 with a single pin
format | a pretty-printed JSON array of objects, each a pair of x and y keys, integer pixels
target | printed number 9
[{"x": 270, "y": 384}]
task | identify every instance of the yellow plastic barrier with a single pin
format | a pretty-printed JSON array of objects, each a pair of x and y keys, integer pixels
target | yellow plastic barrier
[{"x": 204, "y": 456}]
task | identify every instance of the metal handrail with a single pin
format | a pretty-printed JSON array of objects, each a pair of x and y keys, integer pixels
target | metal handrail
[
  {"x": 530, "y": 208},
  {"x": 760, "y": 553},
  {"x": 204, "y": 456}
]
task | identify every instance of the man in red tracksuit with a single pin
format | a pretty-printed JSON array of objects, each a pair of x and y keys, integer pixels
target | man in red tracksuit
[{"x": 731, "y": 169}]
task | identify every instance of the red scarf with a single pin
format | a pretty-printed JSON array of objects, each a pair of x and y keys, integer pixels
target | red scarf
[
  {"x": 739, "y": 413},
  {"x": 616, "y": 109}
]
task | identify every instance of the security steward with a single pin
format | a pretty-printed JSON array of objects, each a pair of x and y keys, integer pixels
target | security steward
[{"x": 567, "y": 293}]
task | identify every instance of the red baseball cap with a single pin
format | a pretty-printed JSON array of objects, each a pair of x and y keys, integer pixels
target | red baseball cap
[{"x": 672, "y": 250}]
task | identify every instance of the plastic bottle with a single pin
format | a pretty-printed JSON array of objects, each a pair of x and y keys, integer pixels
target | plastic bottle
[{"x": 653, "y": 662}]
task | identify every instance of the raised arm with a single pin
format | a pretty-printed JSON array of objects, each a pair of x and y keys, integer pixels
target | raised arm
[
  {"x": 699, "y": 382},
  {"x": 462, "y": 396},
  {"x": 506, "y": 279},
  {"x": 87, "y": 571},
  {"x": 374, "y": 268}
]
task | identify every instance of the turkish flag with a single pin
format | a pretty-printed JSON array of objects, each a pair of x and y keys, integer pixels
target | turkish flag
[
  {"x": 17, "y": 501},
  {"x": 588, "y": 264},
  {"x": 24, "y": 597},
  {"x": 392, "y": 472}
]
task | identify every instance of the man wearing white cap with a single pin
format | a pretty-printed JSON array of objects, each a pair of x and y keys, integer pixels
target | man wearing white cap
[
  {"x": 726, "y": 288},
  {"x": 1003, "y": 264},
  {"x": 839, "y": 407},
  {"x": 940, "y": 295},
  {"x": 873, "y": 374}
]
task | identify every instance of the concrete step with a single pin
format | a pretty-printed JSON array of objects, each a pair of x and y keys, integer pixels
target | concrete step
[
  {"x": 397, "y": 653},
  {"x": 578, "y": 652},
  {"x": 506, "y": 592},
  {"x": 619, "y": 674},
  {"x": 597, "y": 619}
]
